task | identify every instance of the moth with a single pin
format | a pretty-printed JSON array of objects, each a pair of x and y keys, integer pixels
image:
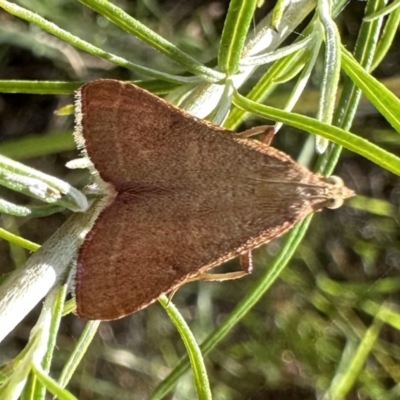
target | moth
[{"x": 182, "y": 196}]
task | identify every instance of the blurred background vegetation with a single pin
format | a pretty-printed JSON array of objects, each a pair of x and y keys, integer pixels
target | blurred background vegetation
[{"x": 292, "y": 344}]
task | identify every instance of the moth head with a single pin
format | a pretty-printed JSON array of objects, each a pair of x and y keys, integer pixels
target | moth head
[{"x": 338, "y": 192}]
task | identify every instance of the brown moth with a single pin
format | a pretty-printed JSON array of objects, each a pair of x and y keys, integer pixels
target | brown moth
[{"x": 183, "y": 196}]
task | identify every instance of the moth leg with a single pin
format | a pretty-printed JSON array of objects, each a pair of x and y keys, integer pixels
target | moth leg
[
  {"x": 245, "y": 262},
  {"x": 267, "y": 130},
  {"x": 172, "y": 294},
  {"x": 269, "y": 135},
  {"x": 227, "y": 276}
]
